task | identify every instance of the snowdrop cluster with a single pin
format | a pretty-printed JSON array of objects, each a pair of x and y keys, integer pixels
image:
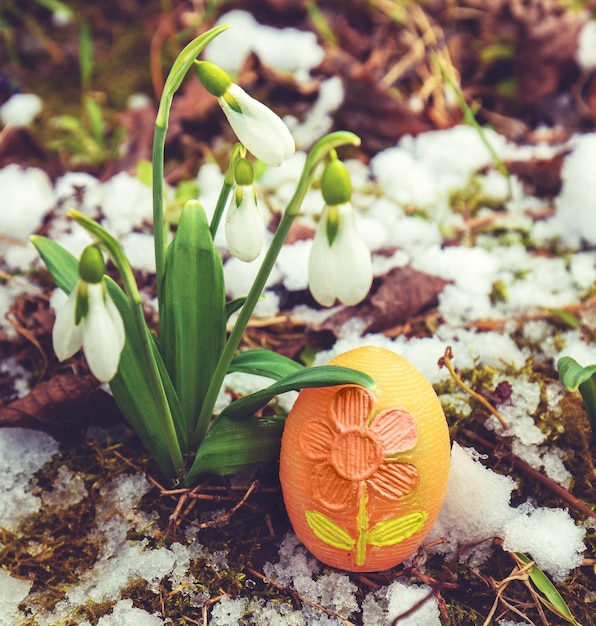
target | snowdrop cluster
[{"x": 168, "y": 389}]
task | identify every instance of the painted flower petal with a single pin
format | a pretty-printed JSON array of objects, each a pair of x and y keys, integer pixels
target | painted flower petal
[
  {"x": 315, "y": 438},
  {"x": 394, "y": 480},
  {"x": 102, "y": 335},
  {"x": 66, "y": 337},
  {"x": 245, "y": 228},
  {"x": 396, "y": 430},
  {"x": 351, "y": 407},
  {"x": 331, "y": 490},
  {"x": 257, "y": 127}
]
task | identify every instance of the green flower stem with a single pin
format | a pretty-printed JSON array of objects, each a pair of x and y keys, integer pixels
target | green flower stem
[
  {"x": 179, "y": 70},
  {"x": 116, "y": 254},
  {"x": 238, "y": 151},
  {"x": 318, "y": 152}
]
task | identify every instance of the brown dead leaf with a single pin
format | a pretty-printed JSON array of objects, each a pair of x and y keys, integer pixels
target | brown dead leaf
[
  {"x": 401, "y": 293},
  {"x": 62, "y": 404}
]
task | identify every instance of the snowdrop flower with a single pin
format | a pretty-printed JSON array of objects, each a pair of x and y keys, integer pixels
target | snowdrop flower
[
  {"x": 245, "y": 230},
  {"x": 89, "y": 319},
  {"x": 340, "y": 266},
  {"x": 257, "y": 127}
]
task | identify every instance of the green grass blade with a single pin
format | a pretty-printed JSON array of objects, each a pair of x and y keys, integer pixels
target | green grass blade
[{"x": 545, "y": 586}]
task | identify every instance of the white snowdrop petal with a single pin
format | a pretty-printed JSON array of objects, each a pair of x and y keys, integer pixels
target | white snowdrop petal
[
  {"x": 342, "y": 271},
  {"x": 66, "y": 337},
  {"x": 262, "y": 132},
  {"x": 102, "y": 339},
  {"x": 245, "y": 229}
]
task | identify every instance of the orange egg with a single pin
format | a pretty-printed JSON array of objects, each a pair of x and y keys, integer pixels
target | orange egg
[{"x": 364, "y": 473}]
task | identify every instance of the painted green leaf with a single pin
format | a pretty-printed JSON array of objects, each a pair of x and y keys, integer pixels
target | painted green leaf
[
  {"x": 264, "y": 363},
  {"x": 321, "y": 376},
  {"x": 329, "y": 531},
  {"x": 393, "y": 531},
  {"x": 545, "y": 586}
]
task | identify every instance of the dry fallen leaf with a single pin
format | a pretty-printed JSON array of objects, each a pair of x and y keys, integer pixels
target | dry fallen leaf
[
  {"x": 402, "y": 293},
  {"x": 62, "y": 404}
]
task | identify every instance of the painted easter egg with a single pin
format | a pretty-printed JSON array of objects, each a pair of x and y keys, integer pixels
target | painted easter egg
[{"x": 364, "y": 473}]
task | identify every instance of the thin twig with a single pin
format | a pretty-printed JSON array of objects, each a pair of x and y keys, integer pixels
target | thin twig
[
  {"x": 226, "y": 516},
  {"x": 446, "y": 361}
]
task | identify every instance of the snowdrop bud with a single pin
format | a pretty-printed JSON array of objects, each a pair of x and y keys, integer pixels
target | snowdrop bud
[
  {"x": 244, "y": 173},
  {"x": 245, "y": 230},
  {"x": 336, "y": 184},
  {"x": 92, "y": 265},
  {"x": 215, "y": 80}
]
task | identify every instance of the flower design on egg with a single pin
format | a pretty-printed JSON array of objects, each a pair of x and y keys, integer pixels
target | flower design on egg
[{"x": 351, "y": 447}]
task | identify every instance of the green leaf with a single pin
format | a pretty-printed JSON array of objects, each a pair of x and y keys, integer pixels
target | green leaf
[
  {"x": 264, "y": 363},
  {"x": 545, "y": 586},
  {"x": 231, "y": 446},
  {"x": 61, "y": 264},
  {"x": 398, "y": 529},
  {"x": 572, "y": 374},
  {"x": 329, "y": 531},
  {"x": 193, "y": 319},
  {"x": 234, "y": 305},
  {"x": 133, "y": 394},
  {"x": 322, "y": 376}
]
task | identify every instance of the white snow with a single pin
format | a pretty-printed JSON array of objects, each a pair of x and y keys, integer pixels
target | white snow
[
  {"x": 22, "y": 453},
  {"x": 20, "y": 109},
  {"x": 477, "y": 509},
  {"x": 14, "y": 591},
  {"x": 285, "y": 49},
  {"x": 27, "y": 195},
  {"x": 586, "y": 46}
]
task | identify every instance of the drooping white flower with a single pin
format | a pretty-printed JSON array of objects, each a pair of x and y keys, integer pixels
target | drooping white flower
[
  {"x": 99, "y": 329},
  {"x": 258, "y": 128},
  {"x": 340, "y": 266},
  {"x": 245, "y": 229}
]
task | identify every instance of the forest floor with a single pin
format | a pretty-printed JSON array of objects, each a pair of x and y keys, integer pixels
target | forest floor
[{"x": 481, "y": 243}]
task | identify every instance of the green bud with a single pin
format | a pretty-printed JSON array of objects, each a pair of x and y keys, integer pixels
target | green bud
[
  {"x": 215, "y": 80},
  {"x": 243, "y": 173},
  {"x": 336, "y": 185},
  {"x": 92, "y": 266}
]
